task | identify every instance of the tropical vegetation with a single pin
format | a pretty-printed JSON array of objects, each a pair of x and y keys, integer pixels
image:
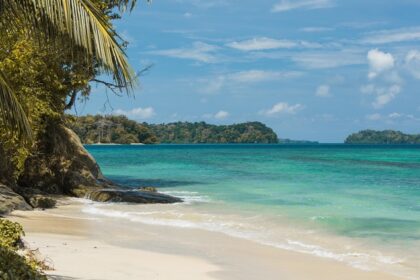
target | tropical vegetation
[
  {"x": 110, "y": 129},
  {"x": 382, "y": 137},
  {"x": 50, "y": 53},
  {"x": 121, "y": 130}
]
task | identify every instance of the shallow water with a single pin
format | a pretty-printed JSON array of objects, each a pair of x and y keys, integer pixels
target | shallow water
[{"x": 356, "y": 204}]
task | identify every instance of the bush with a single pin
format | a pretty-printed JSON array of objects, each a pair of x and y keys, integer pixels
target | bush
[
  {"x": 12, "y": 265},
  {"x": 15, "y": 267},
  {"x": 10, "y": 234}
]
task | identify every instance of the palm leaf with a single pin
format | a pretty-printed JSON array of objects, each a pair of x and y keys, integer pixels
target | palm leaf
[
  {"x": 81, "y": 22},
  {"x": 86, "y": 25},
  {"x": 11, "y": 111}
]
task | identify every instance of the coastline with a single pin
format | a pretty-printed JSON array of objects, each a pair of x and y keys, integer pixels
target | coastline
[{"x": 71, "y": 239}]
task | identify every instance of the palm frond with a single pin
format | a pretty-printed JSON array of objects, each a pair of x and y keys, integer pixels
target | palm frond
[
  {"x": 84, "y": 24},
  {"x": 11, "y": 111},
  {"x": 87, "y": 26}
]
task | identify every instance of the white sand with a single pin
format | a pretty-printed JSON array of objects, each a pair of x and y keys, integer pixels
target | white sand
[
  {"x": 82, "y": 258},
  {"x": 83, "y": 248}
]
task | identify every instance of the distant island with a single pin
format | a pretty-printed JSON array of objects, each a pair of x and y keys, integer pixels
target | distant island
[
  {"x": 120, "y": 130},
  {"x": 382, "y": 137},
  {"x": 296, "y": 142}
]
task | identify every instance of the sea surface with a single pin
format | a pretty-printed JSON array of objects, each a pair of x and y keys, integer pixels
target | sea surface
[{"x": 354, "y": 204}]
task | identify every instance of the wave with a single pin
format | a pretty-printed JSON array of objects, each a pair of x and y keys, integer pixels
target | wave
[
  {"x": 246, "y": 231},
  {"x": 189, "y": 197}
]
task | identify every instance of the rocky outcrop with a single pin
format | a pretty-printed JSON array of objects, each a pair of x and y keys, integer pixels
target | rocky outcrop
[
  {"x": 9, "y": 201},
  {"x": 63, "y": 166},
  {"x": 131, "y": 196}
]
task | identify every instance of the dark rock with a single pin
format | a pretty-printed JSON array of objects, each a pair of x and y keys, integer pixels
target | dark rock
[
  {"x": 41, "y": 201},
  {"x": 132, "y": 196},
  {"x": 62, "y": 165},
  {"x": 147, "y": 189},
  {"x": 9, "y": 201},
  {"x": 37, "y": 199}
]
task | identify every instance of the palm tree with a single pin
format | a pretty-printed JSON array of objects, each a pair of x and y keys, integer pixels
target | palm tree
[{"x": 79, "y": 21}]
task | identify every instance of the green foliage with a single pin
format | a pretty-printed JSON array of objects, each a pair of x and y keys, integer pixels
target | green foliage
[
  {"x": 15, "y": 267},
  {"x": 110, "y": 129},
  {"x": 121, "y": 130},
  {"x": 10, "y": 234},
  {"x": 44, "y": 77},
  {"x": 201, "y": 132},
  {"x": 382, "y": 137}
]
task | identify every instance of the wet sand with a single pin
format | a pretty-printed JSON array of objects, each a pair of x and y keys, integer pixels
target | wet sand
[{"x": 80, "y": 246}]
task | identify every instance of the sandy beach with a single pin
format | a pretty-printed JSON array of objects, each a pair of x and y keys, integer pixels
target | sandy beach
[{"x": 78, "y": 246}]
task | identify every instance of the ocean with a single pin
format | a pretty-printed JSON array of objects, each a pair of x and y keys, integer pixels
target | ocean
[{"x": 358, "y": 204}]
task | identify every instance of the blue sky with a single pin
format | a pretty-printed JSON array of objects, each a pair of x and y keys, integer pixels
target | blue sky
[{"x": 310, "y": 69}]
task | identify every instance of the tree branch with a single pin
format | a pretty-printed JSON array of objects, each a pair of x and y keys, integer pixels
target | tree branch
[{"x": 72, "y": 100}]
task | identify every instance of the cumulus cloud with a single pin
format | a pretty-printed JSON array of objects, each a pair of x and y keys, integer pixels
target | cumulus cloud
[
  {"x": 199, "y": 51},
  {"x": 323, "y": 91},
  {"x": 137, "y": 113},
  {"x": 282, "y": 108},
  {"x": 379, "y": 62},
  {"x": 287, "y": 5}
]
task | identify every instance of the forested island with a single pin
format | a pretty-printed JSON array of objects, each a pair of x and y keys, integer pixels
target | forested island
[
  {"x": 121, "y": 130},
  {"x": 382, "y": 137}
]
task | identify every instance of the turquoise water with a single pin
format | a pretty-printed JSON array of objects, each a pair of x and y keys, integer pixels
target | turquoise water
[{"x": 366, "y": 193}]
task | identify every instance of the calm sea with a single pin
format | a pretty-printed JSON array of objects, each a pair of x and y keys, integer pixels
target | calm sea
[{"x": 355, "y": 204}]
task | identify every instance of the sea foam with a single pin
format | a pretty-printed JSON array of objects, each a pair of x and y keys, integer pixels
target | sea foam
[{"x": 246, "y": 231}]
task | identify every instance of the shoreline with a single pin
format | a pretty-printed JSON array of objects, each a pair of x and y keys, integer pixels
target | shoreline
[{"x": 71, "y": 239}]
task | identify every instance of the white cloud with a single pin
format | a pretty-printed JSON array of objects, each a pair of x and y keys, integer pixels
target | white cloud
[
  {"x": 214, "y": 84},
  {"x": 392, "y": 117},
  {"x": 221, "y": 115},
  {"x": 261, "y": 43},
  {"x": 205, "y": 4},
  {"x": 323, "y": 91},
  {"x": 383, "y": 95},
  {"x": 137, "y": 113},
  {"x": 392, "y": 36},
  {"x": 287, "y": 5},
  {"x": 265, "y": 43},
  {"x": 329, "y": 59},
  {"x": 199, "y": 51},
  {"x": 255, "y": 76},
  {"x": 412, "y": 63},
  {"x": 379, "y": 62},
  {"x": 312, "y": 29},
  {"x": 188, "y": 15},
  {"x": 374, "y": 117},
  {"x": 282, "y": 108}
]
